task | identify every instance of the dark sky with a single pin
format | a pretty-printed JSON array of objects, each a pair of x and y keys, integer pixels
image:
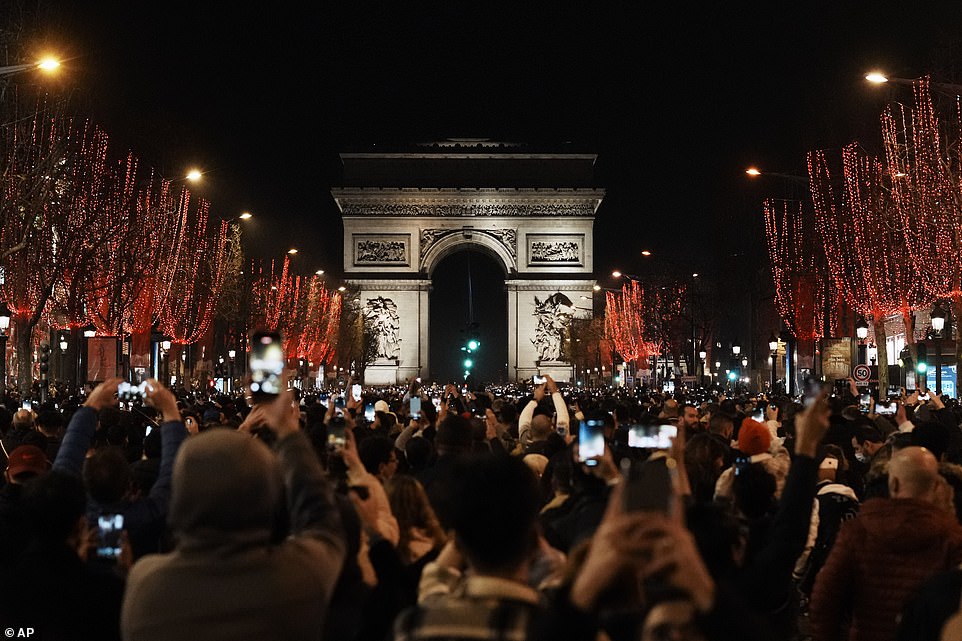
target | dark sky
[{"x": 675, "y": 100}]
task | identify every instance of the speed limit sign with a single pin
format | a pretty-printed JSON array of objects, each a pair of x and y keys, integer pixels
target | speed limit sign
[{"x": 861, "y": 373}]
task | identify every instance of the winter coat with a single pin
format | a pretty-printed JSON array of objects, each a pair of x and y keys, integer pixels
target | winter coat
[
  {"x": 230, "y": 577},
  {"x": 879, "y": 559}
]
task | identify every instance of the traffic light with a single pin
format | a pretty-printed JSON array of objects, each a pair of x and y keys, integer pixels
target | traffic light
[
  {"x": 468, "y": 363},
  {"x": 473, "y": 344},
  {"x": 44, "y": 359},
  {"x": 922, "y": 364}
]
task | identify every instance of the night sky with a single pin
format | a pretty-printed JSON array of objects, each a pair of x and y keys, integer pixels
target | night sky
[{"x": 676, "y": 101}]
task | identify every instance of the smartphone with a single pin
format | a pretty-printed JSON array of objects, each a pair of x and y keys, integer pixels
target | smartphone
[
  {"x": 322, "y": 399},
  {"x": 339, "y": 402},
  {"x": 591, "y": 441},
  {"x": 648, "y": 487},
  {"x": 26, "y": 405},
  {"x": 336, "y": 433},
  {"x": 885, "y": 408},
  {"x": 437, "y": 403},
  {"x": 864, "y": 403},
  {"x": 369, "y": 412},
  {"x": 759, "y": 414},
  {"x": 659, "y": 437},
  {"x": 923, "y": 397},
  {"x": 415, "y": 405},
  {"x": 813, "y": 388},
  {"x": 741, "y": 462},
  {"x": 356, "y": 392},
  {"x": 539, "y": 380},
  {"x": 127, "y": 392},
  {"x": 266, "y": 364},
  {"x": 109, "y": 527}
]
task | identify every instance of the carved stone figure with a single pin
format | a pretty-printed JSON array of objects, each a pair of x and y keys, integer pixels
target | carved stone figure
[
  {"x": 555, "y": 252},
  {"x": 554, "y": 316},
  {"x": 381, "y": 251},
  {"x": 381, "y": 316}
]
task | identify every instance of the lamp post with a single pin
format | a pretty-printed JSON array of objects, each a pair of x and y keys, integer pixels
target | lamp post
[
  {"x": 89, "y": 331},
  {"x": 861, "y": 332},
  {"x": 938, "y": 325},
  {"x": 702, "y": 355},
  {"x": 165, "y": 360},
  {"x": 5, "y": 316},
  {"x": 773, "y": 348},
  {"x": 231, "y": 354},
  {"x": 64, "y": 344}
]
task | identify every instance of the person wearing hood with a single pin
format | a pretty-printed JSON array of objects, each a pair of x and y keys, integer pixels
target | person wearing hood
[
  {"x": 232, "y": 574},
  {"x": 885, "y": 554}
]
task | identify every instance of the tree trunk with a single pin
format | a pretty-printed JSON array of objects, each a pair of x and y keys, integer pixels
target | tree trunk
[
  {"x": 908, "y": 319},
  {"x": 957, "y": 334},
  {"x": 24, "y": 332},
  {"x": 878, "y": 322}
]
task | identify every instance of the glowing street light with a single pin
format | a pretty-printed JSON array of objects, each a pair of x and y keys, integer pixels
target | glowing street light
[
  {"x": 876, "y": 77},
  {"x": 246, "y": 215},
  {"x": 645, "y": 252},
  {"x": 194, "y": 175},
  {"x": 292, "y": 251},
  {"x": 342, "y": 288},
  {"x": 47, "y": 65},
  {"x": 319, "y": 272},
  {"x": 753, "y": 171},
  {"x": 616, "y": 274},
  {"x": 596, "y": 287}
]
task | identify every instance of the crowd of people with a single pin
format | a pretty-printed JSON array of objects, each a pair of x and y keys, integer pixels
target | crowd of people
[{"x": 538, "y": 511}]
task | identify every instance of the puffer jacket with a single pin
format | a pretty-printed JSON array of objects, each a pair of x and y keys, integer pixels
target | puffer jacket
[{"x": 878, "y": 561}]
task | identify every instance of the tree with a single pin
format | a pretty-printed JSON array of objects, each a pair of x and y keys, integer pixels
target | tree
[
  {"x": 923, "y": 167},
  {"x": 864, "y": 242}
]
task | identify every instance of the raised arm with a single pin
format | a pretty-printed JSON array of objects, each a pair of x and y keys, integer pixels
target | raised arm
[
  {"x": 83, "y": 425},
  {"x": 560, "y": 407}
]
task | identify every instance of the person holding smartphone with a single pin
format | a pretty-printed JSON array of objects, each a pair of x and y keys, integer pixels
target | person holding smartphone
[
  {"x": 229, "y": 572},
  {"x": 103, "y": 472},
  {"x": 543, "y": 422}
]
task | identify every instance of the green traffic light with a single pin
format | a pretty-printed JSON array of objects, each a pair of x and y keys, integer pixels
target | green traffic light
[
  {"x": 473, "y": 344},
  {"x": 468, "y": 363},
  {"x": 922, "y": 368}
]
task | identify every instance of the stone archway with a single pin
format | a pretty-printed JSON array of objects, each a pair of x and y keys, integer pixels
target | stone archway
[{"x": 395, "y": 239}]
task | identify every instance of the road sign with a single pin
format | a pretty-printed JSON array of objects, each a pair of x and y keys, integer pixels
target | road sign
[{"x": 861, "y": 373}]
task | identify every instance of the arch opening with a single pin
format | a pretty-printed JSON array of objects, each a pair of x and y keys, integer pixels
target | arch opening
[{"x": 468, "y": 301}]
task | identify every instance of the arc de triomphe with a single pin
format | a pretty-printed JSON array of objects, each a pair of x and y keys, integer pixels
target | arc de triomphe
[{"x": 396, "y": 234}]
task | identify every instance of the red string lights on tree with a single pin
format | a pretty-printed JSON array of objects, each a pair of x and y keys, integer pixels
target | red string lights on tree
[
  {"x": 300, "y": 307},
  {"x": 192, "y": 272},
  {"x": 625, "y": 323},
  {"x": 864, "y": 241},
  {"x": 797, "y": 269}
]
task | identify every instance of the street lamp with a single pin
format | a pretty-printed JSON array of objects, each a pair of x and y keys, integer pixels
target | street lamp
[
  {"x": 736, "y": 348},
  {"x": 861, "y": 330},
  {"x": 246, "y": 216},
  {"x": 90, "y": 331},
  {"x": 5, "y": 316},
  {"x": 879, "y": 78},
  {"x": 773, "y": 348},
  {"x": 46, "y": 64},
  {"x": 194, "y": 175},
  {"x": 744, "y": 361},
  {"x": 938, "y": 325}
]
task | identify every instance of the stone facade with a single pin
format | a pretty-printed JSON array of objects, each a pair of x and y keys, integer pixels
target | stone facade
[{"x": 394, "y": 238}]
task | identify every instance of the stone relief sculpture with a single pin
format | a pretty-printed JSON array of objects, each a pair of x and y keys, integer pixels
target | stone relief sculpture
[
  {"x": 555, "y": 252},
  {"x": 380, "y": 251},
  {"x": 507, "y": 237},
  {"x": 382, "y": 318},
  {"x": 467, "y": 209},
  {"x": 554, "y": 316}
]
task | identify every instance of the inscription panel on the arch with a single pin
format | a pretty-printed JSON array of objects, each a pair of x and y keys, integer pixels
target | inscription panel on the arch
[
  {"x": 555, "y": 249},
  {"x": 386, "y": 250}
]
